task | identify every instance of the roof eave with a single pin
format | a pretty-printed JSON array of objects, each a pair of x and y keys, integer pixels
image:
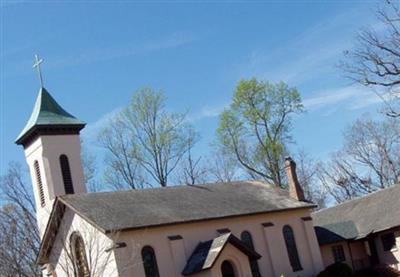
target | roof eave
[
  {"x": 57, "y": 129},
  {"x": 58, "y": 205},
  {"x": 47, "y": 112},
  {"x": 108, "y": 231},
  {"x": 41, "y": 257}
]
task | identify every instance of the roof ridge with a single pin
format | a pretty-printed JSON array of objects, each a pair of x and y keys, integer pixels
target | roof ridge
[
  {"x": 359, "y": 198},
  {"x": 170, "y": 187}
]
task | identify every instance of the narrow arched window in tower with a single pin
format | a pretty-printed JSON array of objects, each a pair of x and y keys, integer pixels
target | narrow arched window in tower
[
  {"x": 149, "y": 262},
  {"x": 245, "y": 236},
  {"x": 78, "y": 252},
  {"x": 66, "y": 174},
  {"x": 291, "y": 247},
  {"x": 39, "y": 183}
]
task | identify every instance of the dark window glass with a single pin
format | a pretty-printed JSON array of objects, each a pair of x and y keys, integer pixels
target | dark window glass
[
  {"x": 79, "y": 256},
  {"x": 338, "y": 253},
  {"x": 388, "y": 241},
  {"x": 291, "y": 247},
  {"x": 149, "y": 262},
  {"x": 227, "y": 269},
  {"x": 66, "y": 174},
  {"x": 39, "y": 183},
  {"x": 248, "y": 240}
]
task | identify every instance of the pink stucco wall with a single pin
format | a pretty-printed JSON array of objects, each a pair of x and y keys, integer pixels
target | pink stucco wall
[
  {"x": 101, "y": 262},
  {"x": 355, "y": 254},
  {"x": 268, "y": 241},
  {"x": 327, "y": 254},
  {"x": 47, "y": 150}
]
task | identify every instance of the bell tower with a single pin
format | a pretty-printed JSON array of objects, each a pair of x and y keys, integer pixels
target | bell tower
[{"x": 52, "y": 149}]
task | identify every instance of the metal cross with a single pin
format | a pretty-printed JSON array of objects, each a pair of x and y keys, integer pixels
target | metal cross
[{"x": 37, "y": 65}]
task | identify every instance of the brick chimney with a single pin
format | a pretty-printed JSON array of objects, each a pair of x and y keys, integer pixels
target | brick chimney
[{"x": 295, "y": 190}]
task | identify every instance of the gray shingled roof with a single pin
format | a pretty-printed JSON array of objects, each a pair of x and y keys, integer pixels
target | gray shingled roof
[
  {"x": 360, "y": 217},
  {"x": 152, "y": 207},
  {"x": 206, "y": 253},
  {"x": 335, "y": 232}
]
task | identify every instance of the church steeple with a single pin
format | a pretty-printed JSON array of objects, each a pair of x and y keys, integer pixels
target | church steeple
[
  {"x": 53, "y": 152},
  {"x": 48, "y": 117}
]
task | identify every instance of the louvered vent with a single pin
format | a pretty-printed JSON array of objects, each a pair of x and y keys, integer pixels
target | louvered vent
[
  {"x": 39, "y": 183},
  {"x": 66, "y": 174}
]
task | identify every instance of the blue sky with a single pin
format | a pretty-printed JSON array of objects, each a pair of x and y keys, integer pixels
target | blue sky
[{"x": 98, "y": 53}]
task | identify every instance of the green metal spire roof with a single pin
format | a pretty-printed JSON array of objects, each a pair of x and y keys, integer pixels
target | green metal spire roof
[{"x": 47, "y": 112}]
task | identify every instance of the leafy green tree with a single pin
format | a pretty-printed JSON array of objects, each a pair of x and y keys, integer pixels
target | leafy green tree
[
  {"x": 146, "y": 140},
  {"x": 256, "y": 127}
]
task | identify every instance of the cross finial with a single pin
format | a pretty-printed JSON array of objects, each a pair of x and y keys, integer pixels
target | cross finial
[{"x": 37, "y": 65}]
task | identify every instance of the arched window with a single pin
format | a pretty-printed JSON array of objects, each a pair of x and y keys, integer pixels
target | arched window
[
  {"x": 66, "y": 174},
  {"x": 227, "y": 269},
  {"x": 39, "y": 183},
  {"x": 245, "y": 236},
  {"x": 79, "y": 256},
  {"x": 149, "y": 262},
  {"x": 291, "y": 247}
]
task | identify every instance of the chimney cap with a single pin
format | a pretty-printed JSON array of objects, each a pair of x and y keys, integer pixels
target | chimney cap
[{"x": 289, "y": 161}]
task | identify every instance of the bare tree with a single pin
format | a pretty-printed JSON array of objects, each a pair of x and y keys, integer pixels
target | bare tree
[
  {"x": 192, "y": 170},
  {"x": 223, "y": 167},
  {"x": 375, "y": 60},
  {"x": 89, "y": 169},
  {"x": 146, "y": 138},
  {"x": 20, "y": 241},
  {"x": 369, "y": 160},
  {"x": 307, "y": 174},
  {"x": 123, "y": 170},
  {"x": 19, "y": 236},
  {"x": 341, "y": 179}
]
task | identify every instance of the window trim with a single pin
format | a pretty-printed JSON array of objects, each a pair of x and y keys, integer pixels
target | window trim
[
  {"x": 291, "y": 248},
  {"x": 154, "y": 262},
  {"x": 74, "y": 238},
  {"x": 255, "y": 269},
  {"x": 338, "y": 249}
]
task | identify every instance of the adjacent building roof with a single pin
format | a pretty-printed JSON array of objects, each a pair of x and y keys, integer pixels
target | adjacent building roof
[
  {"x": 112, "y": 211},
  {"x": 47, "y": 112},
  {"x": 335, "y": 232},
  {"x": 356, "y": 219},
  {"x": 206, "y": 253}
]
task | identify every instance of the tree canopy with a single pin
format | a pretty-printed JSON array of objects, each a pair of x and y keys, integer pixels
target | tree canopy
[
  {"x": 256, "y": 127},
  {"x": 145, "y": 142}
]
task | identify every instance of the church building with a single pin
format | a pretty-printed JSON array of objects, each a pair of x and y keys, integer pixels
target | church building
[{"x": 236, "y": 229}]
